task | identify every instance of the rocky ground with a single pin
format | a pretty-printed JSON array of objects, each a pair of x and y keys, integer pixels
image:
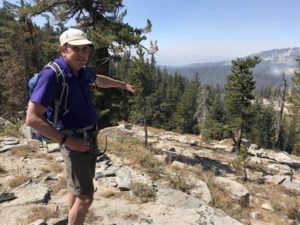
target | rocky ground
[{"x": 211, "y": 191}]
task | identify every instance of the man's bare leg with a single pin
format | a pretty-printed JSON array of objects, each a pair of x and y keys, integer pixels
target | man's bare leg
[
  {"x": 79, "y": 208},
  {"x": 71, "y": 200}
]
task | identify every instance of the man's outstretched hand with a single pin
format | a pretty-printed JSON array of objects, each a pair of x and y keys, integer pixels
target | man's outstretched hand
[{"x": 130, "y": 88}]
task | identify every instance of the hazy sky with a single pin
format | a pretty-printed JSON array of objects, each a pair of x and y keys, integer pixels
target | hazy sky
[{"x": 194, "y": 31}]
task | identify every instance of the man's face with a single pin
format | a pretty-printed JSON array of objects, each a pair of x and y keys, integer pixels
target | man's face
[{"x": 76, "y": 56}]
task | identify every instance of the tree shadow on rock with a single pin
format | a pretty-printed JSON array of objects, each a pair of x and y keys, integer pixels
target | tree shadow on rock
[{"x": 207, "y": 164}]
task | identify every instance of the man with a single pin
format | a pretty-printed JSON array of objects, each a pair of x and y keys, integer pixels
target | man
[{"x": 76, "y": 125}]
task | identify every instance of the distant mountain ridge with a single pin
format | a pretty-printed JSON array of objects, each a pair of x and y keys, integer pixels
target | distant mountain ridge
[{"x": 273, "y": 63}]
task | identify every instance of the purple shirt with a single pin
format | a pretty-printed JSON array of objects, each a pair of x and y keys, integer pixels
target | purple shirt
[{"x": 80, "y": 111}]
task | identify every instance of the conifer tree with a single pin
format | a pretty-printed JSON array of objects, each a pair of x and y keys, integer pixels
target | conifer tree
[
  {"x": 294, "y": 124},
  {"x": 238, "y": 95},
  {"x": 213, "y": 126},
  {"x": 20, "y": 36},
  {"x": 184, "y": 117},
  {"x": 262, "y": 130}
]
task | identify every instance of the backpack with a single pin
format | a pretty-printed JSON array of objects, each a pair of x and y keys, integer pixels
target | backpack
[{"x": 62, "y": 87}]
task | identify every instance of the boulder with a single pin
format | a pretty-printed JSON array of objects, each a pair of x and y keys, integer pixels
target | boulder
[
  {"x": 268, "y": 206},
  {"x": 25, "y": 132},
  {"x": 210, "y": 216},
  {"x": 252, "y": 147},
  {"x": 234, "y": 189},
  {"x": 28, "y": 194},
  {"x": 5, "y": 196},
  {"x": 4, "y": 123},
  {"x": 292, "y": 186},
  {"x": 200, "y": 190}
]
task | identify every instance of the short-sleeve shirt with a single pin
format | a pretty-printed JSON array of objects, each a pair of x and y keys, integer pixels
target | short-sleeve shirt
[{"x": 77, "y": 109}]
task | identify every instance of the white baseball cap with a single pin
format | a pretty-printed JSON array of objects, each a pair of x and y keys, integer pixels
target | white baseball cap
[{"x": 74, "y": 36}]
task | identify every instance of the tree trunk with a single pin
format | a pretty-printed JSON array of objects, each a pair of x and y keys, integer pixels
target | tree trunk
[
  {"x": 239, "y": 139},
  {"x": 279, "y": 126},
  {"x": 146, "y": 132}
]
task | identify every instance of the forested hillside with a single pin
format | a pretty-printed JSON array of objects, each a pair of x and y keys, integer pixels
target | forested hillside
[
  {"x": 169, "y": 101},
  {"x": 268, "y": 72}
]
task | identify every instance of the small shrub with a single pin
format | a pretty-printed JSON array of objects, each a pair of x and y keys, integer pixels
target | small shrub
[
  {"x": 152, "y": 165},
  {"x": 2, "y": 170},
  {"x": 241, "y": 162},
  {"x": 17, "y": 181},
  {"x": 179, "y": 181},
  {"x": 142, "y": 191},
  {"x": 11, "y": 130},
  {"x": 277, "y": 207},
  {"x": 294, "y": 213}
]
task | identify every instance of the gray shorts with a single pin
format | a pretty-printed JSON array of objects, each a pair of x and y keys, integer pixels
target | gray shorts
[{"x": 80, "y": 168}]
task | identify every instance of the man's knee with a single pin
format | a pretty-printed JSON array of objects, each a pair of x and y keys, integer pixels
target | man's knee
[{"x": 86, "y": 201}]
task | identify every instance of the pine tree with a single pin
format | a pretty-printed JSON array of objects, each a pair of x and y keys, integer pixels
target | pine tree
[
  {"x": 214, "y": 126},
  {"x": 262, "y": 131},
  {"x": 238, "y": 87},
  {"x": 294, "y": 145},
  {"x": 184, "y": 117},
  {"x": 20, "y": 36}
]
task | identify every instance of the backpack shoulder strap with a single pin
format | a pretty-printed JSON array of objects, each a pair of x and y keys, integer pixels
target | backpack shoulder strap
[
  {"x": 62, "y": 87},
  {"x": 32, "y": 82}
]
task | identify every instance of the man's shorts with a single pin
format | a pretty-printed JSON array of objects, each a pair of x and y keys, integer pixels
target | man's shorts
[{"x": 80, "y": 168}]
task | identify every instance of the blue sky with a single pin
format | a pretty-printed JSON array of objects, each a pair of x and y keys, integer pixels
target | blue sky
[{"x": 195, "y": 31}]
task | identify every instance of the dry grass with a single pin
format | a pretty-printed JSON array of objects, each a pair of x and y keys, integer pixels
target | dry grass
[
  {"x": 179, "y": 179},
  {"x": 52, "y": 167},
  {"x": 223, "y": 201},
  {"x": 199, "y": 172},
  {"x": 283, "y": 202},
  {"x": 11, "y": 130},
  {"x": 294, "y": 214},
  {"x": 91, "y": 217},
  {"x": 132, "y": 151},
  {"x": 17, "y": 181},
  {"x": 61, "y": 183},
  {"x": 22, "y": 151},
  {"x": 155, "y": 131},
  {"x": 107, "y": 192},
  {"x": 143, "y": 192},
  {"x": 130, "y": 216},
  {"x": 151, "y": 164},
  {"x": 41, "y": 212},
  {"x": 43, "y": 155},
  {"x": 220, "y": 199}
]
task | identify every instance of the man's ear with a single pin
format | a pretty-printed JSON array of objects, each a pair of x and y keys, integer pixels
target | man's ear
[{"x": 62, "y": 49}]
